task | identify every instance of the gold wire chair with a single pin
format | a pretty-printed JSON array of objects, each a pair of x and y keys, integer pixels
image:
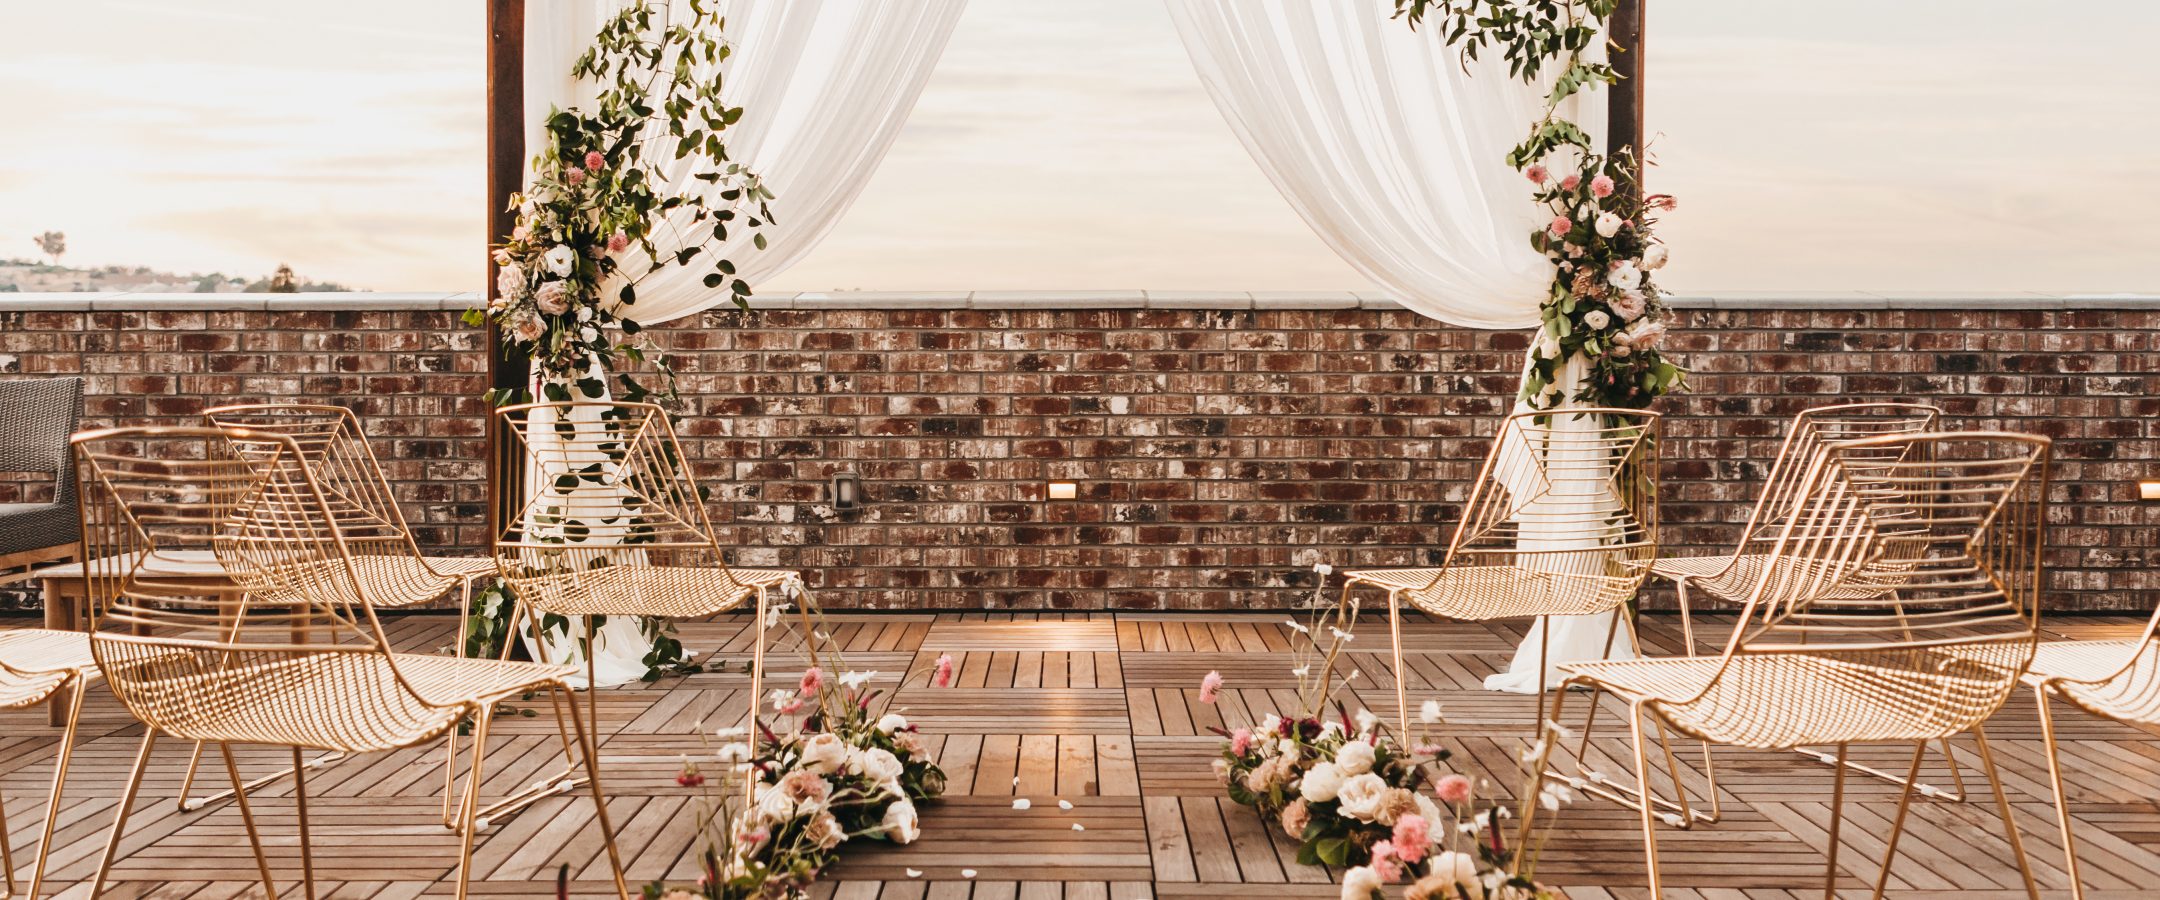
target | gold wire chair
[
  {"x": 384, "y": 551},
  {"x": 36, "y": 665},
  {"x": 319, "y": 676},
  {"x": 1728, "y": 577},
  {"x": 1897, "y": 606},
  {"x": 2112, "y": 679},
  {"x": 616, "y": 525}
]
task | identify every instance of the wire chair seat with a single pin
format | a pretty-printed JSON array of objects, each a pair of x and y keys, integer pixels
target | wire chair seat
[
  {"x": 2115, "y": 679},
  {"x": 646, "y": 590},
  {"x": 1476, "y": 593},
  {"x": 1776, "y": 701},
  {"x": 35, "y": 662},
  {"x": 354, "y": 701}
]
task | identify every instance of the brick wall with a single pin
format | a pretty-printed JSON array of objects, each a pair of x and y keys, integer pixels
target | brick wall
[{"x": 1219, "y": 451}]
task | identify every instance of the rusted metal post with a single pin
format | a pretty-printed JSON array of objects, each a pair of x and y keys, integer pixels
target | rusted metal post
[{"x": 506, "y": 168}]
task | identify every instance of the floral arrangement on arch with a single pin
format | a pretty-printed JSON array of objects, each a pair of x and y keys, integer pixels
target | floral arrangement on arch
[
  {"x": 1360, "y": 799},
  {"x": 1603, "y": 305},
  {"x": 831, "y": 764},
  {"x": 596, "y": 198}
]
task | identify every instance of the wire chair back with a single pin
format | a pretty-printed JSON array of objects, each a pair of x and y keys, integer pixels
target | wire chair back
[
  {"x": 609, "y": 488},
  {"x": 183, "y": 655},
  {"x": 1570, "y": 494},
  {"x": 1812, "y": 430},
  {"x": 330, "y": 441},
  {"x": 1910, "y": 571}
]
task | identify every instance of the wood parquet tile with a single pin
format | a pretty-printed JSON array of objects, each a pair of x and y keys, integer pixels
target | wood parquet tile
[{"x": 1099, "y": 711}]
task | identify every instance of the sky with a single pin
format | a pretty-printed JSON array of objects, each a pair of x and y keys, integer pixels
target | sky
[{"x": 1915, "y": 146}]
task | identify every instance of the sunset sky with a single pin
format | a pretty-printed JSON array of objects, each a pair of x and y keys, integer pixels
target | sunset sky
[{"x": 1910, "y": 146}]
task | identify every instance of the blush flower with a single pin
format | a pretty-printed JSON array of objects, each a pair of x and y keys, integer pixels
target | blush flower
[
  {"x": 1601, "y": 186},
  {"x": 618, "y": 242},
  {"x": 812, "y": 679},
  {"x": 1558, "y": 227},
  {"x": 593, "y": 161},
  {"x": 1241, "y": 741},
  {"x": 1384, "y": 861},
  {"x": 1411, "y": 836},
  {"x": 1536, "y": 174},
  {"x": 575, "y": 177},
  {"x": 1210, "y": 687},
  {"x": 552, "y": 297},
  {"x": 1453, "y": 790},
  {"x": 943, "y": 678},
  {"x": 1571, "y": 182}
]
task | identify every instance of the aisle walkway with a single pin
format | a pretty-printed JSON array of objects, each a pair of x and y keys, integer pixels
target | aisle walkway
[{"x": 1098, "y": 710}]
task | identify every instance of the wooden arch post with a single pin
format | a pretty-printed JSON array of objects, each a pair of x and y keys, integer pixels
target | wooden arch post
[
  {"x": 506, "y": 174},
  {"x": 1624, "y": 106}
]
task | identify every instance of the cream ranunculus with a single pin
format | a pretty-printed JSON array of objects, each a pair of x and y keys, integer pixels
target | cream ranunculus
[
  {"x": 1596, "y": 320},
  {"x": 1655, "y": 256},
  {"x": 510, "y": 280},
  {"x": 1360, "y": 797},
  {"x": 561, "y": 260},
  {"x": 1608, "y": 224},
  {"x": 899, "y": 823},
  {"x": 1624, "y": 276},
  {"x": 1355, "y": 758},
  {"x": 891, "y": 722},
  {"x": 824, "y": 754},
  {"x": 1321, "y": 783}
]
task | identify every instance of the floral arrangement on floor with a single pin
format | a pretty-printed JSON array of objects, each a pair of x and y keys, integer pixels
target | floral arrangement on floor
[
  {"x": 597, "y": 197},
  {"x": 1356, "y": 797},
  {"x": 831, "y": 764},
  {"x": 1603, "y": 306}
]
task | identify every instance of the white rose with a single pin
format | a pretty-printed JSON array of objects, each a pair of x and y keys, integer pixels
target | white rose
[
  {"x": 877, "y": 763},
  {"x": 824, "y": 754},
  {"x": 1427, "y": 810},
  {"x": 1271, "y": 725},
  {"x": 891, "y": 722},
  {"x": 1355, "y": 758},
  {"x": 1596, "y": 320},
  {"x": 1321, "y": 783},
  {"x": 1625, "y": 277},
  {"x": 1359, "y": 797},
  {"x": 1655, "y": 256},
  {"x": 561, "y": 259},
  {"x": 899, "y": 824},
  {"x": 1608, "y": 224},
  {"x": 1360, "y": 883},
  {"x": 774, "y": 804},
  {"x": 1460, "y": 868}
]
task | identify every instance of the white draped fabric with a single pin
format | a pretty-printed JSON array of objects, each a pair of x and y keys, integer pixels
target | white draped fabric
[
  {"x": 1394, "y": 153},
  {"x": 824, "y": 85}
]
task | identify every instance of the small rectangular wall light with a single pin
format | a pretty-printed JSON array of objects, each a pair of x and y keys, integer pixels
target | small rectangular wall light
[
  {"x": 846, "y": 491},
  {"x": 1063, "y": 490},
  {"x": 2149, "y": 490}
]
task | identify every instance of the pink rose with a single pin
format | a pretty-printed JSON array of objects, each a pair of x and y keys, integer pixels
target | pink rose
[
  {"x": 1453, "y": 790},
  {"x": 1210, "y": 687},
  {"x": 1629, "y": 304},
  {"x": 944, "y": 671},
  {"x": 1536, "y": 174},
  {"x": 1412, "y": 835},
  {"x": 593, "y": 161},
  {"x": 617, "y": 242},
  {"x": 552, "y": 297},
  {"x": 575, "y": 177},
  {"x": 1601, "y": 186},
  {"x": 1569, "y": 183},
  {"x": 1559, "y": 227}
]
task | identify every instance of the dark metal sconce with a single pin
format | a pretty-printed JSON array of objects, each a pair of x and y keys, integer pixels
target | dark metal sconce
[{"x": 846, "y": 491}]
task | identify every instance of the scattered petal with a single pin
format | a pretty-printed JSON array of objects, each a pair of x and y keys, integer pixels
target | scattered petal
[
  {"x": 914, "y": 873},
  {"x": 1023, "y": 803},
  {"x": 967, "y": 873},
  {"x": 1064, "y": 804},
  {"x": 1429, "y": 713},
  {"x": 1079, "y": 827}
]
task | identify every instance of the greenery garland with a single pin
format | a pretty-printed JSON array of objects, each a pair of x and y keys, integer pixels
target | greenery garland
[
  {"x": 597, "y": 197},
  {"x": 1603, "y": 307}
]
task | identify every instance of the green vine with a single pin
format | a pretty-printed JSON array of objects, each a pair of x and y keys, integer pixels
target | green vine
[{"x": 1604, "y": 307}]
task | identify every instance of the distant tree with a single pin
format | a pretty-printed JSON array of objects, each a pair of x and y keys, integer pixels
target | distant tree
[
  {"x": 283, "y": 281},
  {"x": 209, "y": 284},
  {"x": 52, "y": 243}
]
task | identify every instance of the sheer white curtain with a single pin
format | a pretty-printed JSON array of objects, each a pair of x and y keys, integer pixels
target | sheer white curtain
[
  {"x": 1394, "y": 153},
  {"x": 824, "y": 85}
]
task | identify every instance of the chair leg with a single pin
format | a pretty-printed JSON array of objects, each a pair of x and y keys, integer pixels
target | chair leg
[
  {"x": 247, "y": 819},
  {"x": 588, "y": 748},
  {"x": 2002, "y": 806},
  {"x": 1402, "y": 691},
  {"x": 120, "y": 813},
  {"x": 2062, "y": 798},
  {"x": 1687, "y": 620},
  {"x": 757, "y": 690},
  {"x": 592, "y": 672},
  {"x": 187, "y": 781},
  {"x": 52, "y": 801},
  {"x": 482, "y": 716},
  {"x": 1897, "y": 825},
  {"x": 1642, "y": 777},
  {"x": 1544, "y": 640},
  {"x": 1710, "y": 788},
  {"x": 1837, "y": 819},
  {"x": 307, "y": 846},
  {"x": 1539, "y": 771}
]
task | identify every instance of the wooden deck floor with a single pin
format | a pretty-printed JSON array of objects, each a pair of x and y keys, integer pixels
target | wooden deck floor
[{"x": 1099, "y": 710}]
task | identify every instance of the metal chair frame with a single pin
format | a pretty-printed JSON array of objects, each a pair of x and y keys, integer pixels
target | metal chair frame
[
  {"x": 215, "y": 670},
  {"x": 1898, "y": 605},
  {"x": 2117, "y": 680}
]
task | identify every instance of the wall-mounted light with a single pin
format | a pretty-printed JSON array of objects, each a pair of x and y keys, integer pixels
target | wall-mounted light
[
  {"x": 846, "y": 491},
  {"x": 1063, "y": 490},
  {"x": 2149, "y": 490}
]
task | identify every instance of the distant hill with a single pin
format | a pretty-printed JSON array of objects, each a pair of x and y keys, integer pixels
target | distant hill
[{"x": 28, "y": 276}]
